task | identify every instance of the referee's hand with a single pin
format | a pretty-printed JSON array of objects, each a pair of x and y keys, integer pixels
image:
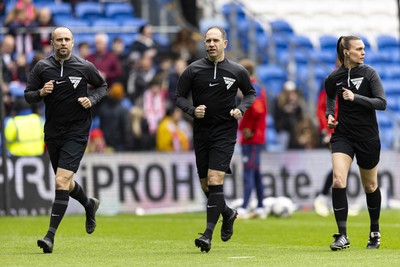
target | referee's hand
[
  {"x": 85, "y": 102},
  {"x": 47, "y": 88},
  {"x": 200, "y": 112},
  {"x": 236, "y": 113}
]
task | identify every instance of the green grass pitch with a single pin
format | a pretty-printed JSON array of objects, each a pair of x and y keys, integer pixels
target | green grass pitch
[{"x": 168, "y": 240}]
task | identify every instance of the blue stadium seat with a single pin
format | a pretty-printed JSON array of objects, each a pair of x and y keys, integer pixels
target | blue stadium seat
[
  {"x": 391, "y": 87},
  {"x": 133, "y": 22},
  {"x": 206, "y": 23},
  {"x": 119, "y": 10},
  {"x": 325, "y": 59},
  {"x": 392, "y": 71},
  {"x": 392, "y": 102},
  {"x": 84, "y": 37},
  {"x": 375, "y": 58},
  {"x": 328, "y": 43},
  {"x": 386, "y": 42},
  {"x": 281, "y": 27},
  {"x": 89, "y": 10},
  {"x": 61, "y": 9},
  {"x": 301, "y": 42},
  {"x": 104, "y": 23},
  {"x": 230, "y": 8},
  {"x": 72, "y": 23},
  {"x": 272, "y": 76}
]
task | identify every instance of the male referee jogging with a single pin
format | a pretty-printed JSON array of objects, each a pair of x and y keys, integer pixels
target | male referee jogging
[
  {"x": 61, "y": 81},
  {"x": 213, "y": 82}
]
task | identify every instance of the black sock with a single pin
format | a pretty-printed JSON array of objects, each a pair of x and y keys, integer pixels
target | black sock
[
  {"x": 215, "y": 206},
  {"x": 328, "y": 184},
  {"x": 78, "y": 194},
  {"x": 374, "y": 208},
  {"x": 57, "y": 212},
  {"x": 340, "y": 208},
  {"x": 226, "y": 211}
]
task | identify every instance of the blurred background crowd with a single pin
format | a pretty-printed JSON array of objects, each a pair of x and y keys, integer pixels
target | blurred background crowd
[{"x": 142, "y": 47}]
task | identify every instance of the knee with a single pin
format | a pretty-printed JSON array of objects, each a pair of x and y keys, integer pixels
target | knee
[
  {"x": 62, "y": 182},
  {"x": 339, "y": 182},
  {"x": 370, "y": 187}
]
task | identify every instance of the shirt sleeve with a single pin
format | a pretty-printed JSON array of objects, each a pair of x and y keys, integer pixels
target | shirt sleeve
[
  {"x": 99, "y": 89},
  {"x": 378, "y": 99},
  {"x": 183, "y": 89},
  {"x": 330, "y": 97},
  {"x": 249, "y": 94},
  {"x": 33, "y": 85}
]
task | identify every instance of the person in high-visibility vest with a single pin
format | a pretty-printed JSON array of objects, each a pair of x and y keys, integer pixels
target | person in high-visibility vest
[{"x": 24, "y": 132}]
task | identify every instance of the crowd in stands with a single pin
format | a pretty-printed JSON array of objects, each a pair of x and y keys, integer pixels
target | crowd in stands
[{"x": 139, "y": 112}]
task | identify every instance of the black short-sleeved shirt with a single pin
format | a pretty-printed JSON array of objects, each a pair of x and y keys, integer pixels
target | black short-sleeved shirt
[
  {"x": 356, "y": 119},
  {"x": 64, "y": 115},
  {"x": 214, "y": 85}
]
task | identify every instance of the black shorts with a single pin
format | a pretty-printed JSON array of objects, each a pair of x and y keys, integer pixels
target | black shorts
[
  {"x": 367, "y": 152},
  {"x": 213, "y": 154},
  {"x": 67, "y": 152}
]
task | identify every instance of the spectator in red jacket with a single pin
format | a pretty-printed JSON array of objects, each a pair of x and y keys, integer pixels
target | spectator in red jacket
[
  {"x": 252, "y": 129},
  {"x": 105, "y": 61}
]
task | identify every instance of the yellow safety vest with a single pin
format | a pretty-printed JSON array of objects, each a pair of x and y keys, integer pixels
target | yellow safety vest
[{"x": 24, "y": 135}]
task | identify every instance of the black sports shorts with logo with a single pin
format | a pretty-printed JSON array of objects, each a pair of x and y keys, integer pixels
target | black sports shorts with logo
[
  {"x": 66, "y": 152},
  {"x": 367, "y": 152},
  {"x": 215, "y": 154}
]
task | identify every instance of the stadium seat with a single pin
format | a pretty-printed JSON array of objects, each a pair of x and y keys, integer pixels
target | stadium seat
[
  {"x": 235, "y": 8},
  {"x": 375, "y": 58},
  {"x": 392, "y": 102},
  {"x": 119, "y": 10},
  {"x": 325, "y": 59},
  {"x": 72, "y": 23},
  {"x": 392, "y": 71},
  {"x": 206, "y": 23},
  {"x": 89, "y": 10},
  {"x": 327, "y": 42},
  {"x": 133, "y": 22},
  {"x": 387, "y": 43},
  {"x": 301, "y": 42},
  {"x": 61, "y": 9},
  {"x": 281, "y": 27},
  {"x": 272, "y": 76},
  {"x": 104, "y": 23},
  {"x": 392, "y": 87},
  {"x": 281, "y": 44}
]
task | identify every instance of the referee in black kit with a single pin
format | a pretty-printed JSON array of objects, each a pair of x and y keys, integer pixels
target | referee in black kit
[
  {"x": 359, "y": 91},
  {"x": 61, "y": 81},
  {"x": 214, "y": 82}
]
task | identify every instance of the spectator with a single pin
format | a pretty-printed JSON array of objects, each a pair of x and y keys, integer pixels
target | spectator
[
  {"x": 24, "y": 131},
  {"x": 252, "y": 128},
  {"x": 143, "y": 42},
  {"x": 173, "y": 77},
  {"x": 83, "y": 49},
  {"x": 139, "y": 76},
  {"x": 170, "y": 136},
  {"x": 7, "y": 54},
  {"x": 105, "y": 61},
  {"x": 185, "y": 46},
  {"x": 114, "y": 120},
  {"x": 96, "y": 143},
  {"x": 41, "y": 40},
  {"x": 154, "y": 102},
  {"x": 141, "y": 139},
  {"x": 18, "y": 21},
  {"x": 287, "y": 111},
  {"x": 304, "y": 134}
]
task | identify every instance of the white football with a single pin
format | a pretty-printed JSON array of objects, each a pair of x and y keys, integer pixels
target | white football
[{"x": 283, "y": 207}]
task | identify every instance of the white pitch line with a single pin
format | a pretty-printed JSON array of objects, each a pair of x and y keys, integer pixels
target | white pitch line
[{"x": 242, "y": 257}]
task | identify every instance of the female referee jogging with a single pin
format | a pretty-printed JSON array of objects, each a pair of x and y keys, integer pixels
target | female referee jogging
[{"x": 360, "y": 93}]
